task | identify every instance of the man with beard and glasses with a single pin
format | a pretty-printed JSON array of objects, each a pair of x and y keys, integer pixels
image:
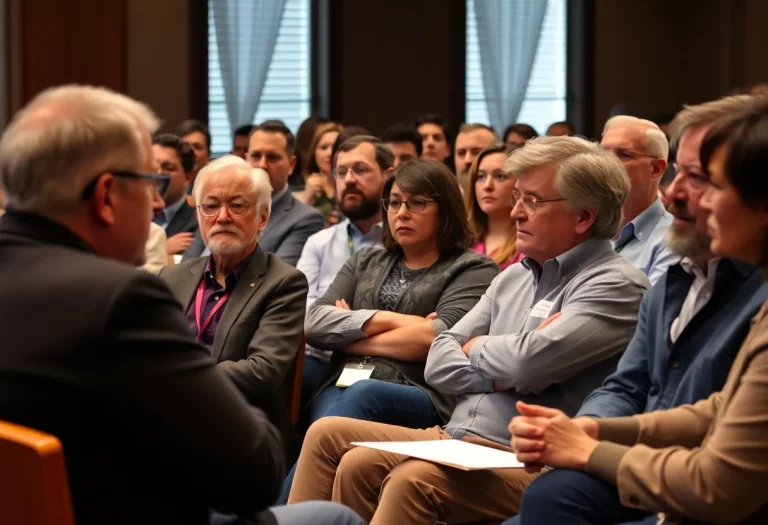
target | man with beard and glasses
[
  {"x": 690, "y": 327},
  {"x": 361, "y": 166},
  {"x": 245, "y": 305}
]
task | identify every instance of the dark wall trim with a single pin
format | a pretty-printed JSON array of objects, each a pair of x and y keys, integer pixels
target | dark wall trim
[
  {"x": 580, "y": 28},
  {"x": 198, "y": 60},
  {"x": 321, "y": 38},
  {"x": 459, "y": 51}
]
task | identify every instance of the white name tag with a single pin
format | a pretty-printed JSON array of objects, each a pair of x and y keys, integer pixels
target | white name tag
[
  {"x": 541, "y": 309},
  {"x": 353, "y": 373}
]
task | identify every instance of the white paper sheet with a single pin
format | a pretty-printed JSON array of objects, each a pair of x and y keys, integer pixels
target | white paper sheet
[{"x": 451, "y": 452}]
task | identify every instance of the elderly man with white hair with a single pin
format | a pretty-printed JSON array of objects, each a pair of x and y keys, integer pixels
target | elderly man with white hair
[
  {"x": 245, "y": 305},
  {"x": 100, "y": 355},
  {"x": 643, "y": 150}
]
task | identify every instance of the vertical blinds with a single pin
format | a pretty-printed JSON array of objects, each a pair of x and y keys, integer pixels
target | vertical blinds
[
  {"x": 286, "y": 94},
  {"x": 545, "y": 97}
]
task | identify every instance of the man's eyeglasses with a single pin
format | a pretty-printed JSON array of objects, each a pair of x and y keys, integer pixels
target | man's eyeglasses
[
  {"x": 235, "y": 209},
  {"x": 358, "y": 170},
  {"x": 530, "y": 203},
  {"x": 161, "y": 180},
  {"x": 413, "y": 205},
  {"x": 625, "y": 155}
]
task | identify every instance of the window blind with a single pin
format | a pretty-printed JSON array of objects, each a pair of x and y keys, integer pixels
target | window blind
[
  {"x": 545, "y": 98},
  {"x": 286, "y": 95}
]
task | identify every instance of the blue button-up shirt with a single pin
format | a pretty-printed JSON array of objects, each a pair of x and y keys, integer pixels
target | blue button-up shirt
[
  {"x": 641, "y": 241},
  {"x": 325, "y": 253}
]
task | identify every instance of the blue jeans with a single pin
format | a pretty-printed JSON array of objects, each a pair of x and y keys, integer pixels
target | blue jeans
[
  {"x": 311, "y": 375},
  {"x": 371, "y": 400},
  {"x": 307, "y": 513},
  {"x": 575, "y": 497}
]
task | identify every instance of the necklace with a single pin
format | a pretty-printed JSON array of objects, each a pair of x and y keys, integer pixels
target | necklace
[{"x": 402, "y": 273}]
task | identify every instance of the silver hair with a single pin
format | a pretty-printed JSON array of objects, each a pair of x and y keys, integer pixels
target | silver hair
[
  {"x": 656, "y": 143},
  {"x": 64, "y": 138},
  {"x": 707, "y": 113},
  {"x": 587, "y": 177},
  {"x": 261, "y": 189}
]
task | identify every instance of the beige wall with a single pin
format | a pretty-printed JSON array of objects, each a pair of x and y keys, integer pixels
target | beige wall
[{"x": 158, "y": 60}]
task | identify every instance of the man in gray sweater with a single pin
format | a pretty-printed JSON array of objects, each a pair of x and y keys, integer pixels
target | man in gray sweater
[{"x": 548, "y": 331}]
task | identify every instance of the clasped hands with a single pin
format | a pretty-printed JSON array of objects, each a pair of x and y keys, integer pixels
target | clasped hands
[{"x": 544, "y": 436}]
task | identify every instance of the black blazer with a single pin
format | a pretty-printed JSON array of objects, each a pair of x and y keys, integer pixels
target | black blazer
[
  {"x": 184, "y": 221},
  {"x": 99, "y": 354},
  {"x": 260, "y": 330}
]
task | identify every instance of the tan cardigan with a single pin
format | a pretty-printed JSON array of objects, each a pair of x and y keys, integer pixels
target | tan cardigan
[{"x": 706, "y": 462}]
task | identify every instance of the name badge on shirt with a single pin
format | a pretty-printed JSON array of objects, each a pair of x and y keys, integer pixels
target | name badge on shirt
[
  {"x": 354, "y": 372},
  {"x": 541, "y": 309}
]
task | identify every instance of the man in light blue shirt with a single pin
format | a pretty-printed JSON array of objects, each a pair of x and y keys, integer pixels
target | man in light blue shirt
[
  {"x": 362, "y": 165},
  {"x": 643, "y": 149}
]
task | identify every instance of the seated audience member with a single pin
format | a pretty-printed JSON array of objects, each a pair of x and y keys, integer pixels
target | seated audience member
[
  {"x": 196, "y": 134},
  {"x": 176, "y": 158},
  {"x": 489, "y": 205},
  {"x": 690, "y": 328},
  {"x": 155, "y": 252},
  {"x": 385, "y": 307},
  {"x": 319, "y": 187},
  {"x": 567, "y": 207},
  {"x": 404, "y": 141},
  {"x": 561, "y": 129},
  {"x": 471, "y": 140},
  {"x": 700, "y": 462},
  {"x": 304, "y": 136},
  {"x": 152, "y": 432},
  {"x": 243, "y": 304},
  {"x": 516, "y": 135},
  {"x": 240, "y": 140},
  {"x": 435, "y": 139},
  {"x": 359, "y": 191},
  {"x": 291, "y": 222},
  {"x": 642, "y": 148},
  {"x": 347, "y": 133}
]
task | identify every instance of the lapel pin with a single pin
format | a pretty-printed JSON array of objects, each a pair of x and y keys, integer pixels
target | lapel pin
[{"x": 253, "y": 284}]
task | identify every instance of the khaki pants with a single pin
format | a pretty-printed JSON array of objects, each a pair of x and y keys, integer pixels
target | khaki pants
[{"x": 392, "y": 489}]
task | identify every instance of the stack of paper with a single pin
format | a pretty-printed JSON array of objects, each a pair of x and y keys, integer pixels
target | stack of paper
[{"x": 451, "y": 452}]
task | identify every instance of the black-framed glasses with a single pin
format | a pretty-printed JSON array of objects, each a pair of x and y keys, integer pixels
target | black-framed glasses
[
  {"x": 413, "y": 205},
  {"x": 530, "y": 203},
  {"x": 235, "y": 209},
  {"x": 161, "y": 180}
]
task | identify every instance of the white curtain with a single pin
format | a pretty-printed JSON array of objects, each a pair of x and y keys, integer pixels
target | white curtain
[
  {"x": 508, "y": 36},
  {"x": 246, "y": 33}
]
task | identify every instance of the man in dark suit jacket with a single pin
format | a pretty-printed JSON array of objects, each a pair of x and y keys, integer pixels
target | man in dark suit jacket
[
  {"x": 98, "y": 353},
  {"x": 175, "y": 158},
  {"x": 255, "y": 336},
  {"x": 271, "y": 148}
]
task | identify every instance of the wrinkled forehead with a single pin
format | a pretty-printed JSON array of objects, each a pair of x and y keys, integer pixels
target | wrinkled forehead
[
  {"x": 362, "y": 153},
  {"x": 538, "y": 181},
  {"x": 626, "y": 136},
  {"x": 227, "y": 183}
]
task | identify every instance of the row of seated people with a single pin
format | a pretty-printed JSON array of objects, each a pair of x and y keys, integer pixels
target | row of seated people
[{"x": 447, "y": 348}]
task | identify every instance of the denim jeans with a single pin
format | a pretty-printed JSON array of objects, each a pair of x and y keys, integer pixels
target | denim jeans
[{"x": 371, "y": 400}]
